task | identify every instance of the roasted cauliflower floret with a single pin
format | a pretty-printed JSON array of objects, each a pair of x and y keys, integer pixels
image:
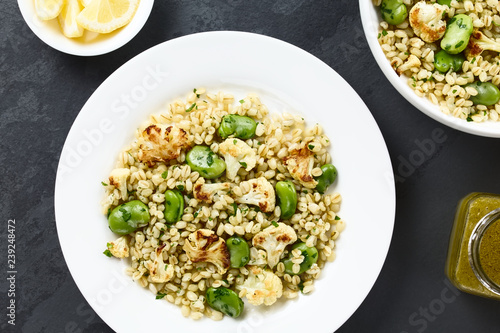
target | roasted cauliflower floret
[
  {"x": 478, "y": 43},
  {"x": 237, "y": 154},
  {"x": 262, "y": 286},
  {"x": 412, "y": 62},
  {"x": 206, "y": 192},
  {"x": 261, "y": 193},
  {"x": 119, "y": 247},
  {"x": 274, "y": 240},
  {"x": 300, "y": 163},
  {"x": 204, "y": 245},
  {"x": 159, "y": 144},
  {"x": 427, "y": 22},
  {"x": 118, "y": 179},
  {"x": 159, "y": 272}
]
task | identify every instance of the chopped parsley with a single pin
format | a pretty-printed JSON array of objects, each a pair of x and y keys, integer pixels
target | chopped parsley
[
  {"x": 243, "y": 164},
  {"x": 126, "y": 215},
  {"x": 235, "y": 208},
  {"x": 235, "y": 141},
  {"x": 275, "y": 224},
  {"x": 311, "y": 147},
  {"x": 210, "y": 158},
  {"x": 160, "y": 295},
  {"x": 242, "y": 101},
  {"x": 337, "y": 218},
  {"x": 107, "y": 253},
  {"x": 384, "y": 32},
  {"x": 164, "y": 174},
  {"x": 197, "y": 95},
  {"x": 191, "y": 107},
  {"x": 104, "y": 184},
  {"x": 180, "y": 187}
]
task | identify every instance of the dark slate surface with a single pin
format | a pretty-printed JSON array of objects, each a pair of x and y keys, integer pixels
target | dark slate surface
[{"x": 42, "y": 91}]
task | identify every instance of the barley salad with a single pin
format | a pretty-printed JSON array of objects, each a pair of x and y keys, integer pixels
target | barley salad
[
  {"x": 448, "y": 50},
  {"x": 217, "y": 200}
]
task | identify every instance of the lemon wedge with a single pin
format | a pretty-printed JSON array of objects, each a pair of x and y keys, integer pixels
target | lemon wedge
[
  {"x": 48, "y": 9},
  {"x": 104, "y": 16},
  {"x": 67, "y": 19}
]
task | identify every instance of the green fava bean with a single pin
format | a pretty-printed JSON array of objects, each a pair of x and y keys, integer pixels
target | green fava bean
[
  {"x": 239, "y": 252},
  {"x": 205, "y": 162},
  {"x": 393, "y": 11},
  {"x": 127, "y": 217},
  {"x": 174, "y": 206},
  {"x": 487, "y": 93},
  {"x": 444, "y": 2},
  {"x": 327, "y": 177},
  {"x": 457, "y": 34},
  {"x": 310, "y": 257},
  {"x": 224, "y": 300},
  {"x": 287, "y": 197},
  {"x": 241, "y": 126},
  {"x": 444, "y": 61}
]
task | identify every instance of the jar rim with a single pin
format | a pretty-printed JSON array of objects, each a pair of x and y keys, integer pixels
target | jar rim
[{"x": 475, "y": 242}]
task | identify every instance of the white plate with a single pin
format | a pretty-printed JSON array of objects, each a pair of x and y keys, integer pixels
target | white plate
[
  {"x": 285, "y": 77},
  {"x": 371, "y": 18},
  {"x": 90, "y": 44}
]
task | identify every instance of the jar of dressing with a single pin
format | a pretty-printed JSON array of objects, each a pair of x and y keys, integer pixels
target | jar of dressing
[{"x": 473, "y": 261}]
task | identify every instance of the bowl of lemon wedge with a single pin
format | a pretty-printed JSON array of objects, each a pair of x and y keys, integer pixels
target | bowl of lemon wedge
[{"x": 85, "y": 27}]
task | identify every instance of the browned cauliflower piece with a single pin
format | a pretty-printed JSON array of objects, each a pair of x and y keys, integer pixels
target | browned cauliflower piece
[
  {"x": 478, "y": 43},
  {"x": 204, "y": 245},
  {"x": 274, "y": 240},
  {"x": 237, "y": 154},
  {"x": 158, "y": 144},
  {"x": 300, "y": 163},
  {"x": 261, "y": 194},
  {"x": 118, "y": 179},
  {"x": 206, "y": 192},
  {"x": 262, "y": 286},
  {"x": 119, "y": 247},
  {"x": 159, "y": 272},
  {"x": 427, "y": 22}
]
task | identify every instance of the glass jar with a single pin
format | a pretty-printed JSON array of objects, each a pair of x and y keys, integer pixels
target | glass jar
[{"x": 473, "y": 261}]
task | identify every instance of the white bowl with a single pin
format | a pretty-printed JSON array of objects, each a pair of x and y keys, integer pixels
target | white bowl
[
  {"x": 90, "y": 44},
  {"x": 370, "y": 17}
]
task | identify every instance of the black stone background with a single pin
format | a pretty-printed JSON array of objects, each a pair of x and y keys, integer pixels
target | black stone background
[{"x": 42, "y": 91}]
